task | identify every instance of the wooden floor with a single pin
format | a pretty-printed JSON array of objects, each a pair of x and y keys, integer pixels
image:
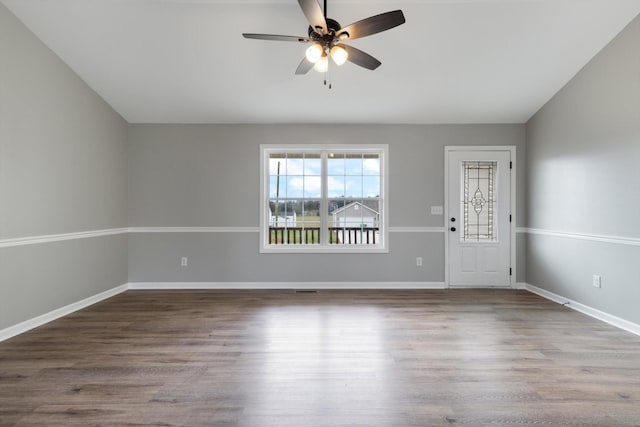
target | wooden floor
[{"x": 332, "y": 358}]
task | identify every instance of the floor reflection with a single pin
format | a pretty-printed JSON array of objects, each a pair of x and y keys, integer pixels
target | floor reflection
[{"x": 324, "y": 361}]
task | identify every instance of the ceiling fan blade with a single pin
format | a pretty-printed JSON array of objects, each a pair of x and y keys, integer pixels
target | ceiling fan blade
[
  {"x": 361, "y": 58},
  {"x": 304, "y": 66},
  {"x": 313, "y": 12},
  {"x": 372, "y": 25},
  {"x": 275, "y": 37}
]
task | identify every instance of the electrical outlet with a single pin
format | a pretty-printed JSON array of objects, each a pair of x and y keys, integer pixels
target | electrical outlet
[
  {"x": 597, "y": 281},
  {"x": 419, "y": 261},
  {"x": 184, "y": 261}
]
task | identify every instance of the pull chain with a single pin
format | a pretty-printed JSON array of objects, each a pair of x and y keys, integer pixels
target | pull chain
[{"x": 325, "y": 79}]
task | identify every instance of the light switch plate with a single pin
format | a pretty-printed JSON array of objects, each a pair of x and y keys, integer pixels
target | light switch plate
[{"x": 597, "y": 281}]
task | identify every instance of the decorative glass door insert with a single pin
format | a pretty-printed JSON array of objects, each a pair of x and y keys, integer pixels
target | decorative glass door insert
[{"x": 478, "y": 204}]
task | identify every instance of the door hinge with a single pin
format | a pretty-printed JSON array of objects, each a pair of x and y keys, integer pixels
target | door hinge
[
  {"x": 509, "y": 217},
  {"x": 510, "y": 165},
  {"x": 510, "y": 271}
]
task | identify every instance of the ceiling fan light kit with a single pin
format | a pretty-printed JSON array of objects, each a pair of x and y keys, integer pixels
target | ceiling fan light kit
[
  {"x": 322, "y": 65},
  {"x": 339, "y": 54},
  {"x": 314, "y": 53},
  {"x": 327, "y": 38}
]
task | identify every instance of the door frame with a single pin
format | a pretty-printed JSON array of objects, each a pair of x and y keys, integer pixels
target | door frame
[{"x": 512, "y": 225}]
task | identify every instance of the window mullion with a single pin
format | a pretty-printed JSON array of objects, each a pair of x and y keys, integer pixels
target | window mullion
[{"x": 324, "y": 204}]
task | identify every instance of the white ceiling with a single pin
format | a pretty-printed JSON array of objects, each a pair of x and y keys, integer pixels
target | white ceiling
[{"x": 454, "y": 61}]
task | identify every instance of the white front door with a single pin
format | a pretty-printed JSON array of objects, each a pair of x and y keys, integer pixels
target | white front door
[{"x": 478, "y": 221}]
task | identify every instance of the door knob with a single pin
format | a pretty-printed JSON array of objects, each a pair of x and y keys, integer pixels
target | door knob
[
  {"x": 453, "y": 220},
  {"x": 453, "y": 229}
]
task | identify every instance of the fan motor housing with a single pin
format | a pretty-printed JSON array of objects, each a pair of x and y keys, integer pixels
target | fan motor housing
[{"x": 332, "y": 25}]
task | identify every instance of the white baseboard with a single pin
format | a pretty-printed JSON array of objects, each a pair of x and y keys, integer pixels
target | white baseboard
[
  {"x": 22, "y": 327},
  {"x": 27, "y": 325},
  {"x": 585, "y": 309},
  {"x": 68, "y": 309},
  {"x": 284, "y": 285}
]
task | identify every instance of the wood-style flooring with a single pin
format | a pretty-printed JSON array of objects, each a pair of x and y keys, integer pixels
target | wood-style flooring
[{"x": 332, "y": 358}]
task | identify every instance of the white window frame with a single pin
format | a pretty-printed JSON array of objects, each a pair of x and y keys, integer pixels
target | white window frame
[{"x": 323, "y": 247}]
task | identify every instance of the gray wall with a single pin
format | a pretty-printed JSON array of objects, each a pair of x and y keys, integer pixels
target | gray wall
[
  {"x": 62, "y": 170},
  {"x": 583, "y": 163},
  {"x": 208, "y": 176}
]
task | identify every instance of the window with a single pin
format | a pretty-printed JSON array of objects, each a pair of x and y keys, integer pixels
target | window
[{"x": 323, "y": 199}]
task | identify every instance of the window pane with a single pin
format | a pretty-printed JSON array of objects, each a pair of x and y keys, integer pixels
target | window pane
[
  {"x": 312, "y": 186},
  {"x": 282, "y": 214},
  {"x": 353, "y": 164},
  {"x": 310, "y": 214},
  {"x": 274, "y": 161},
  {"x": 336, "y": 219},
  {"x": 295, "y": 186},
  {"x": 371, "y": 186},
  {"x": 335, "y": 186},
  {"x": 371, "y": 164},
  {"x": 334, "y": 205},
  {"x": 273, "y": 187},
  {"x": 312, "y": 164},
  {"x": 335, "y": 164},
  {"x": 354, "y": 187},
  {"x": 295, "y": 164}
]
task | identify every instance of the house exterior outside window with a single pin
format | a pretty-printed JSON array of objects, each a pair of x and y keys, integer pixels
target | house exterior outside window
[{"x": 323, "y": 198}]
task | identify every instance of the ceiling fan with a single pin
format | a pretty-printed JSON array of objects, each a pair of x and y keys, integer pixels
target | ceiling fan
[{"x": 328, "y": 38}]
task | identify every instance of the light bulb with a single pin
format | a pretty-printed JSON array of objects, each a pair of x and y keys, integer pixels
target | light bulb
[
  {"x": 322, "y": 65},
  {"x": 314, "y": 52},
  {"x": 339, "y": 54}
]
